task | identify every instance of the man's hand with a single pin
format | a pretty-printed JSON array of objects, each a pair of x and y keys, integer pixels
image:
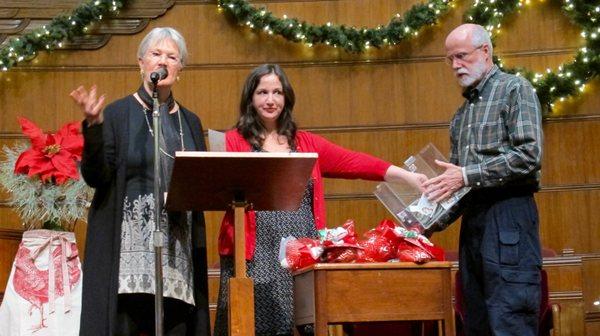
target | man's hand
[{"x": 441, "y": 187}]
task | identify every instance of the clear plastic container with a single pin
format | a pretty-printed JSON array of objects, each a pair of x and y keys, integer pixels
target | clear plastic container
[{"x": 407, "y": 204}]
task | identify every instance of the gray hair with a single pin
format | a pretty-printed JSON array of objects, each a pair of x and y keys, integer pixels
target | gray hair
[
  {"x": 159, "y": 34},
  {"x": 480, "y": 37}
]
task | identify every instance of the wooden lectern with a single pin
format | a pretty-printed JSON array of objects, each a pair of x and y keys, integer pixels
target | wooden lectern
[{"x": 222, "y": 180}]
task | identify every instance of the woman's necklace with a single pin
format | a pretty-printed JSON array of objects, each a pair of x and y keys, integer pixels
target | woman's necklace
[{"x": 146, "y": 110}]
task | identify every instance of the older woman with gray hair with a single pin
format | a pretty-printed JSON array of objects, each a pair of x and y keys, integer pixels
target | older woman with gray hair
[{"x": 118, "y": 158}]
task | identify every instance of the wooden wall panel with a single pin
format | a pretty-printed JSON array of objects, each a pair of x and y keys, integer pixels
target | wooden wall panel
[
  {"x": 388, "y": 102},
  {"x": 571, "y": 318},
  {"x": 593, "y": 328},
  {"x": 43, "y": 97},
  {"x": 9, "y": 218},
  {"x": 389, "y": 94},
  {"x": 9, "y": 243},
  {"x": 591, "y": 286},
  {"x": 563, "y": 216},
  {"x": 571, "y": 154},
  {"x": 568, "y": 159},
  {"x": 394, "y": 95}
]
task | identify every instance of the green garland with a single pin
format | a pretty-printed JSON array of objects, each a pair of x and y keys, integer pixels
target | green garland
[
  {"x": 61, "y": 28},
  {"x": 569, "y": 81},
  {"x": 572, "y": 77},
  {"x": 349, "y": 38}
]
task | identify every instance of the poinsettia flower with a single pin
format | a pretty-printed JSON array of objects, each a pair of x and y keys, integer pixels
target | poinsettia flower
[{"x": 52, "y": 157}]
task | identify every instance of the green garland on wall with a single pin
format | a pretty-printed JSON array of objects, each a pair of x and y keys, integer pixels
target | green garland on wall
[
  {"x": 350, "y": 39},
  {"x": 571, "y": 78},
  {"x": 62, "y": 28},
  {"x": 569, "y": 81}
]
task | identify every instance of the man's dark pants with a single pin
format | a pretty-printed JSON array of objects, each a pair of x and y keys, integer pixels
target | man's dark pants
[{"x": 500, "y": 262}]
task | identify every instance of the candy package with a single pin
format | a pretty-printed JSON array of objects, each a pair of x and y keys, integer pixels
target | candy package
[
  {"x": 296, "y": 253},
  {"x": 340, "y": 236},
  {"x": 419, "y": 250},
  {"x": 340, "y": 244},
  {"x": 342, "y": 254},
  {"x": 379, "y": 244}
]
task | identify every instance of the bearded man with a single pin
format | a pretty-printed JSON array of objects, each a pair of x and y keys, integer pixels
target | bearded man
[{"x": 496, "y": 149}]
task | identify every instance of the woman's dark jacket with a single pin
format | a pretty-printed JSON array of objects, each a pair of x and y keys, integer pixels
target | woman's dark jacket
[{"x": 103, "y": 167}]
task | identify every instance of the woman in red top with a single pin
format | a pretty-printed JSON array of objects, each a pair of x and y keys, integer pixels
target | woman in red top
[{"x": 266, "y": 124}]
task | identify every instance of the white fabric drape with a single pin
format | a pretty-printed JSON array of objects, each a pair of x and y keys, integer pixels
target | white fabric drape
[{"x": 43, "y": 293}]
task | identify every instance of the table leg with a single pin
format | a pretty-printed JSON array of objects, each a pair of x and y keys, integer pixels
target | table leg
[{"x": 320, "y": 327}]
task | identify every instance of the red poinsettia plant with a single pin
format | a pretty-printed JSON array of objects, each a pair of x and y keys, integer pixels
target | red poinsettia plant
[
  {"x": 42, "y": 179},
  {"x": 52, "y": 157}
]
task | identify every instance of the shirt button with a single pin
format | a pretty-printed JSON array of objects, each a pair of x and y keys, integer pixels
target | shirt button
[
  {"x": 478, "y": 183},
  {"x": 500, "y": 179},
  {"x": 467, "y": 147},
  {"x": 469, "y": 126}
]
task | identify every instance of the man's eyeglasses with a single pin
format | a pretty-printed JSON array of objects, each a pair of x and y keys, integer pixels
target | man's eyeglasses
[{"x": 461, "y": 56}]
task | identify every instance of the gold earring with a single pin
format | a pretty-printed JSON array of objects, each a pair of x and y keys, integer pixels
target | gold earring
[
  {"x": 142, "y": 74},
  {"x": 177, "y": 79}
]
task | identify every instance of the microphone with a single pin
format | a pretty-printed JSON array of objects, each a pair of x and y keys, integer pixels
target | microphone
[{"x": 159, "y": 74}]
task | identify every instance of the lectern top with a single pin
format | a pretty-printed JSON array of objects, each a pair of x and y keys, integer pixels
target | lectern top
[
  {"x": 188, "y": 154},
  {"x": 213, "y": 180}
]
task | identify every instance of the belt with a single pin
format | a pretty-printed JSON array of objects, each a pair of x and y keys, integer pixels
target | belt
[{"x": 493, "y": 194}]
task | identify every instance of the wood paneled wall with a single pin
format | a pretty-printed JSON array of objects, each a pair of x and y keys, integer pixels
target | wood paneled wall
[{"x": 389, "y": 102}]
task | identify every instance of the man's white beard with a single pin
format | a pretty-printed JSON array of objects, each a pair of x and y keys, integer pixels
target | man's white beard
[{"x": 477, "y": 73}]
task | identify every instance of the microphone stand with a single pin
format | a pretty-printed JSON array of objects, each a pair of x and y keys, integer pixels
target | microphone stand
[{"x": 157, "y": 234}]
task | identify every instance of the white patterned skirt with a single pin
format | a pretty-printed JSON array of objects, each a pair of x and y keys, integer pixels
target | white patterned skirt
[{"x": 136, "y": 264}]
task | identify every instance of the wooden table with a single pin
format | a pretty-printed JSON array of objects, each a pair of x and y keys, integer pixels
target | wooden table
[{"x": 338, "y": 293}]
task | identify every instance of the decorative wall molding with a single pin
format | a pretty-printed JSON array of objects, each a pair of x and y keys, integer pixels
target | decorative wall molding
[
  {"x": 544, "y": 189},
  {"x": 590, "y": 256},
  {"x": 435, "y": 125},
  {"x": 379, "y": 128},
  {"x": 570, "y": 187},
  {"x": 11, "y": 234},
  {"x": 574, "y": 260},
  {"x": 592, "y": 317},
  {"x": 566, "y": 295},
  {"x": 366, "y": 197},
  {"x": 21, "y": 16},
  {"x": 11, "y": 135}
]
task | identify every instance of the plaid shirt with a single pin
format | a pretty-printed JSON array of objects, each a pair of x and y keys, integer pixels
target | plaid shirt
[{"x": 496, "y": 135}]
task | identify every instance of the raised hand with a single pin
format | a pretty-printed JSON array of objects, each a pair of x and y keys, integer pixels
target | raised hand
[{"x": 90, "y": 105}]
